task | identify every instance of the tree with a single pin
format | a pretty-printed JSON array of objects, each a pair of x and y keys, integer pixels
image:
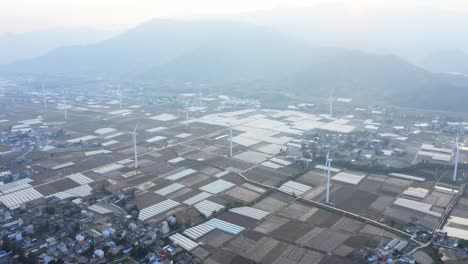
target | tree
[
  {"x": 57, "y": 261},
  {"x": 139, "y": 252},
  {"x": 462, "y": 243},
  {"x": 50, "y": 210}
]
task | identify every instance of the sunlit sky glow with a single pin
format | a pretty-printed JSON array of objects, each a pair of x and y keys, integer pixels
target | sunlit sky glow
[{"x": 31, "y": 15}]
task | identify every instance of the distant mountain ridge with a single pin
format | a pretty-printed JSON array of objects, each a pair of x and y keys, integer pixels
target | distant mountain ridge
[
  {"x": 448, "y": 61},
  {"x": 411, "y": 33},
  {"x": 21, "y": 46},
  {"x": 223, "y": 53}
]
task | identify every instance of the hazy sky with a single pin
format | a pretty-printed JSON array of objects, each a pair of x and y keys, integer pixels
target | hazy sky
[{"x": 31, "y": 15}]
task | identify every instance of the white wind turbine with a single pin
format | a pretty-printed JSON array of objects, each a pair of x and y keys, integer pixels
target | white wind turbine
[
  {"x": 186, "y": 112},
  {"x": 45, "y": 96},
  {"x": 328, "y": 165},
  {"x": 230, "y": 141},
  {"x": 134, "y": 134},
  {"x": 65, "y": 107},
  {"x": 120, "y": 98},
  {"x": 457, "y": 152},
  {"x": 200, "y": 96}
]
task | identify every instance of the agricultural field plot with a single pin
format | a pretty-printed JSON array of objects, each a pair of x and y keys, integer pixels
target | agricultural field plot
[
  {"x": 347, "y": 225},
  {"x": 343, "y": 250},
  {"x": 240, "y": 245},
  {"x": 311, "y": 257},
  {"x": 313, "y": 178},
  {"x": 401, "y": 215},
  {"x": 318, "y": 194},
  {"x": 354, "y": 200},
  {"x": 323, "y": 219},
  {"x": 282, "y": 197},
  {"x": 461, "y": 209},
  {"x": 429, "y": 221},
  {"x": 391, "y": 189},
  {"x": 261, "y": 249},
  {"x": 200, "y": 253},
  {"x": 295, "y": 255},
  {"x": 422, "y": 257},
  {"x": 398, "y": 182},
  {"x": 147, "y": 199},
  {"x": 242, "y": 194},
  {"x": 370, "y": 185},
  {"x": 327, "y": 240},
  {"x": 357, "y": 241},
  {"x": 226, "y": 163},
  {"x": 185, "y": 196},
  {"x": 394, "y": 186},
  {"x": 269, "y": 204},
  {"x": 271, "y": 224},
  {"x": 334, "y": 259},
  {"x": 192, "y": 181},
  {"x": 443, "y": 199},
  {"x": 238, "y": 219},
  {"x": 309, "y": 235},
  {"x": 204, "y": 156},
  {"x": 369, "y": 230},
  {"x": 210, "y": 171},
  {"x": 56, "y": 186},
  {"x": 431, "y": 199},
  {"x": 138, "y": 180},
  {"x": 187, "y": 213},
  {"x": 50, "y": 175},
  {"x": 381, "y": 203},
  {"x": 177, "y": 194},
  {"x": 222, "y": 256},
  {"x": 291, "y": 230},
  {"x": 215, "y": 239},
  {"x": 266, "y": 176},
  {"x": 296, "y": 210}
]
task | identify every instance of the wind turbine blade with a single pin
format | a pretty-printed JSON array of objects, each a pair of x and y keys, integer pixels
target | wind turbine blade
[{"x": 136, "y": 126}]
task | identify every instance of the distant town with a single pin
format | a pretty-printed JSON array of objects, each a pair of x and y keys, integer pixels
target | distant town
[{"x": 120, "y": 175}]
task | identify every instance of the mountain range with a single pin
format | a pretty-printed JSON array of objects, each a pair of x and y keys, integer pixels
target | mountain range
[
  {"x": 453, "y": 61},
  {"x": 243, "y": 56},
  {"x": 411, "y": 33},
  {"x": 21, "y": 46}
]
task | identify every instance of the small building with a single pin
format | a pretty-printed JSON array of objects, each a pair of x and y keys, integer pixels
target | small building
[{"x": 99, "y": 253}]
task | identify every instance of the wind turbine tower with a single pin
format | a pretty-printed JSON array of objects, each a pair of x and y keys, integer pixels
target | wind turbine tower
[
  {"x": 134, "y": 134},
  {"x": 45, "y": 96},
  {"x": 65, "y": 107},
  {"x": 120, "y": 99},
  {"x": 328, "y": 165},
  {"x": 200, "y": 96},
  {"x": 230, "y": 141},
  {"x": 457, "y": 152},
  {"x": 331, "y": 105},
  {"x": 186, "y": 112}
]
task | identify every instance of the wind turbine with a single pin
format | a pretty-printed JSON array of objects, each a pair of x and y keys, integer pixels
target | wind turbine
[
  {"x": 45, "y": 96},
  {"x": 331, "y": 105},
  {"x": 65, "y": 106},
  {"x": 134, "y": 134},
  {"x": 230, "y": 141},
  {"x": 200, "y": 96},
  {"x": 186, "y": 111},
  {"x": 328, "y": 165},
  {"x": 457, "y": 152},
  {"x": 120, "y": 98}
]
